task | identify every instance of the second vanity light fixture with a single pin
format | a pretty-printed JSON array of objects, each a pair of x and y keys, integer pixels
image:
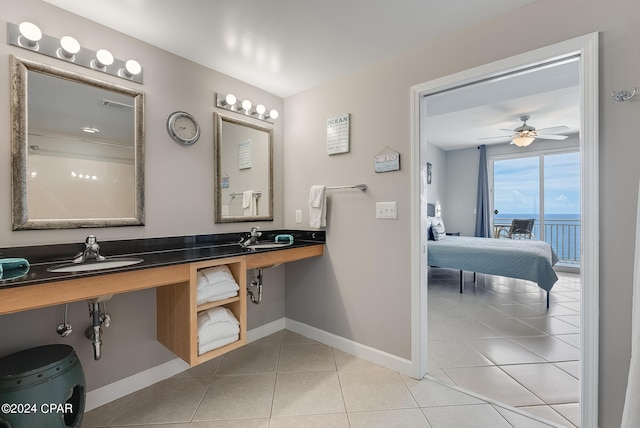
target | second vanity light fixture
[
  {"x": 246, "y": 107},
  {"x": 28, "y": 36}
]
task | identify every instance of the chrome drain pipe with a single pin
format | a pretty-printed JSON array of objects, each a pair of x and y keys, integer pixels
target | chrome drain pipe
[
  {"x": 94, "y": 331},
  {"x": 256, "y": 282}
]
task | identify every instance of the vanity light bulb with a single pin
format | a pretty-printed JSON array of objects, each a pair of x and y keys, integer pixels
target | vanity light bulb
[
  {"x": 273, "y": 114},
  {"x": 104, "y": 58},
  {"x": 68, "y": 47},
  {"x": 246, "y": 105},
  {"x": 230, "y": 100},
  {"x": 260, "y": 109},
  {"x": 31, "y": 33},
  {"x": 132, "y": 68}
]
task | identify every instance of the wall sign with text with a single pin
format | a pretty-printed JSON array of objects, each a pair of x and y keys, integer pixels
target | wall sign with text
[
  {"x": 338, "y": 134},
  {"x": 387, "y": 160}
]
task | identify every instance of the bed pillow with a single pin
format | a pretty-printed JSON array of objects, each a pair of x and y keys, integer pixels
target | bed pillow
[{"x": 437, "y": 228}]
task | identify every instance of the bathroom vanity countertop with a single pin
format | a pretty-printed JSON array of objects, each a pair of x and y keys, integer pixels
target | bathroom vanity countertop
[{"x": 155, "y": 252}]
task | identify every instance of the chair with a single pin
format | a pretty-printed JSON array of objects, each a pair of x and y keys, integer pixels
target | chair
[{"x": 521, "y": 228}]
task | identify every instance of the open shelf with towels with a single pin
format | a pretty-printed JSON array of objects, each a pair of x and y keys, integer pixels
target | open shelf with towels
[{"x": 178, "y": 312}]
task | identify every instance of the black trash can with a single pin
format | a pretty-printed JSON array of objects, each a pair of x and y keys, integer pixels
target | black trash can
[{"x": 42, "y": 387}]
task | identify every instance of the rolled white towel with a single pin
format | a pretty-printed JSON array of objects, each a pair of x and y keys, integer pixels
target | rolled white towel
[
  {"x": 215, "y": 275},
  {"x": 216, "y": 327},
  {"x": 215, "y": 315},
  {"x": 217, "y": 331},
  {"x": 217, "y": 344},
  {"x": 218, "y": 291}
]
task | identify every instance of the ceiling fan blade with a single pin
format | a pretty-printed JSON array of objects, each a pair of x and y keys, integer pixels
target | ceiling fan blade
[
  {"x": 553, "y": 129},
  {"x": 495, "y": 138},
  {"x": 552, "y": 137}
]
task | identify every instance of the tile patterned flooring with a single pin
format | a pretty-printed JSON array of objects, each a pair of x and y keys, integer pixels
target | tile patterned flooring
[
  {"x": 500, "y": 341},
  {"x": 287, "y": 380}
]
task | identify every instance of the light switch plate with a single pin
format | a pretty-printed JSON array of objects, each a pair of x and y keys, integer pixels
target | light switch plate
[
  {"x": 387, "y": 210},
  {"x": 298, "y": 216}
]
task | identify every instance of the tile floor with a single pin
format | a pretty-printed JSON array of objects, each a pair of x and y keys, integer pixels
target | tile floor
[
  {"x": 287, "y": 380},
  {"x": 500, "y": 341}
]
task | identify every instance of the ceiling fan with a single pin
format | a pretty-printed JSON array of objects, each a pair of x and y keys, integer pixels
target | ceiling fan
[{"x": 524, "y": 135}]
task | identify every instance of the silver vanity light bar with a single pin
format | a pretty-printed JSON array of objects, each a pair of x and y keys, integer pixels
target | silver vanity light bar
[
  {"x": 28, "y": 36},
  {"x": 230, "y": 102}
]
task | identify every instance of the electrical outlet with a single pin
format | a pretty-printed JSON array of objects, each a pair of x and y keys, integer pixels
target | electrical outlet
[
  {"x": 387, "y": 210},
  {"x": 298, "y": 216}
]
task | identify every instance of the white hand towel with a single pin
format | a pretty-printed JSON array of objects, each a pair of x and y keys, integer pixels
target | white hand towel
[
  {"x": 215, "y": 315},
  {"x": 217, "y": 331},
  {"x": 215, "y": 275},
  {"x": 317, "y": 206},
  {"x": 217, "y": 344},
  {"x": 249, "y": 203}
]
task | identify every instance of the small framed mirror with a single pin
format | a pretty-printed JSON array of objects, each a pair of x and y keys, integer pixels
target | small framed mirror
[
  {"x": 243, "y": 170},
  {"x": 77, "y": 150}
]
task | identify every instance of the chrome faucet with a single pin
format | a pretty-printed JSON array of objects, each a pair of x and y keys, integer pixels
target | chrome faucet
[
  {"x": 253, "y": 237},
  {"x": 91, "y": 251}
]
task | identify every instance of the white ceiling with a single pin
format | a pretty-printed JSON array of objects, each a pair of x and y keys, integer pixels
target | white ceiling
[
  {"x": 472, "y": 115},
  {"x": 287, "y": 46}
]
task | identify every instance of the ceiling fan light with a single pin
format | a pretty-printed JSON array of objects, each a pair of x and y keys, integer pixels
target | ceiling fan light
[{"x": 522, "y": 141}]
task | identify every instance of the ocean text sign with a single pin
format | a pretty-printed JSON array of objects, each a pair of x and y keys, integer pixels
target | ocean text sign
[{"x": 338, "y": 134}]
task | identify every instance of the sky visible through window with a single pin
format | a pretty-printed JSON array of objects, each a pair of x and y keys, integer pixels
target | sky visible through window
[{"x": 517, "y": 189}]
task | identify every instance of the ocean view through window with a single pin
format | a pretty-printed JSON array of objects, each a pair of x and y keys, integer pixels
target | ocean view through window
[{"x": 544, "y": 187}]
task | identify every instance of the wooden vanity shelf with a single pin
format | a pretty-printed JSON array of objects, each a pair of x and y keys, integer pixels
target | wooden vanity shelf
[
  {"x": 178, "y": 312},
  {"x": 176, "y": 299}
]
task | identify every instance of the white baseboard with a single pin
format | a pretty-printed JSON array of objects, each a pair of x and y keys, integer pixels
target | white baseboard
[
  {"x": 138, "y": 381},
  {"x": 359, "y": 350},
  {"x": 265, "y": 330}
]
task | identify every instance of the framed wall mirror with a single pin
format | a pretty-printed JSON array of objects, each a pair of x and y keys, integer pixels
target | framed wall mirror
[
  {"x": 77, "y": 150},
  {"x": 243, "y": 170}
]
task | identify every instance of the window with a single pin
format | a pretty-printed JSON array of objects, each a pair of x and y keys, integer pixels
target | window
[{"x": 545, "y": 187}]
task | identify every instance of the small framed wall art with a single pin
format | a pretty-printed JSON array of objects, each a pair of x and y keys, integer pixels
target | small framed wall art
[
  {"x": 338, "y": 134},
  {"x": 387, "y": 160}
]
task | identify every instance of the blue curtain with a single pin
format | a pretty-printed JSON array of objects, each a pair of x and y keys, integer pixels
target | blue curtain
[{"x": 483, "y": 213}]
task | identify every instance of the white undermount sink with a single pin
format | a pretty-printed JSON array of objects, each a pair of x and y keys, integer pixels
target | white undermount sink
[
  {"x": 265, "y": 245},
  {"x": 95, "y": 265}
]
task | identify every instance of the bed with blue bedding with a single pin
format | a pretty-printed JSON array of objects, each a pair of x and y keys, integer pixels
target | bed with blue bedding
[{"x": 515, "y": 258}]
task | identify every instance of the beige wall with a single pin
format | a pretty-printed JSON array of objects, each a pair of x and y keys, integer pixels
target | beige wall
[
  {"x": 361, "y": 289},
  {"x": 178, "y": 192}
]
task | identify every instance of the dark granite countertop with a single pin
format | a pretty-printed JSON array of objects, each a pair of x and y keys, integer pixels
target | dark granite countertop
[{"x": 155, "y": 252}]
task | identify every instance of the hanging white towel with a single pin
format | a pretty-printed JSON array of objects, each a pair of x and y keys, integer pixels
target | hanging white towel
[
  {"x": 249, "y": 203},
  {"x": 318, "y": 206}
]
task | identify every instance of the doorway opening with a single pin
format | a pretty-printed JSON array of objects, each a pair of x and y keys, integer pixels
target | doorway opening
[{"x": 585, "y": 50}]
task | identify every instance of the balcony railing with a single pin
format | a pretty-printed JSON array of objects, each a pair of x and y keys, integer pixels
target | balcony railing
[{"x": 562, "y": 234}]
